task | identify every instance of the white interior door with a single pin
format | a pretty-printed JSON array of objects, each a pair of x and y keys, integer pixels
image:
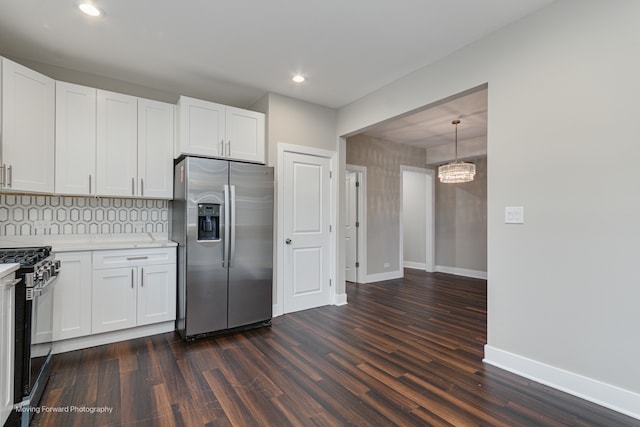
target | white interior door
[
  {"x": 306, "y": 232},
  {"x": 350, "y": 227}
]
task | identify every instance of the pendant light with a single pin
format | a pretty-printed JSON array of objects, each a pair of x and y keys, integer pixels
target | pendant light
[{"x": 456, "y": 172}]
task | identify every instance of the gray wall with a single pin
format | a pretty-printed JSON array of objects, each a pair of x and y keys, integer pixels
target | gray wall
[
  {"x": 461, "y": 222},
  {"x": 414, "y": 217},
  {"x": 383, "y": 160},
  {"x": 292, "y": 121},
  {"x": 563, "y": 291},
  {"x": 296, "y": 122}
]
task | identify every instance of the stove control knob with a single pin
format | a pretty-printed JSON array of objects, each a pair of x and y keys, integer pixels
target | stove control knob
[
  {"x": 56, "y": 266},
  {"x": 42, "y": 275}
]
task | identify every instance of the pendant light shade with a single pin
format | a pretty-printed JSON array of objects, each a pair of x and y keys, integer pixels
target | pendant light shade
[{"x": 456, "y": 172}]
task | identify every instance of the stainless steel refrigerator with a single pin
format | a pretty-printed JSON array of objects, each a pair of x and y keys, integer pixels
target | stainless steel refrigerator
[{"x": 222, "y": 220}]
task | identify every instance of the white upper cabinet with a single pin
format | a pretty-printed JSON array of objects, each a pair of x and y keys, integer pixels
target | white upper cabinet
[
  {"x": 201, "y": 128},
  {"x": 117, "y": 142},
  {"x": 110, "y": 144},
  {"x": 214, "y": 130},
  {"x": 156, "y": 128},
  {"x": 27, "y": 147},
  {"x": 245, "y": 135},
  {"x": 75, "y": 139}
]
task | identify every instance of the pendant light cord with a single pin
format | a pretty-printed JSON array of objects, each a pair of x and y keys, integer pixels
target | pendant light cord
[{"x": 455, "y": 122}]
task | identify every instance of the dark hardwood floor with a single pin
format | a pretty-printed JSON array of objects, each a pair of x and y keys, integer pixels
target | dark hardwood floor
[{"x": 401, "y": 353}]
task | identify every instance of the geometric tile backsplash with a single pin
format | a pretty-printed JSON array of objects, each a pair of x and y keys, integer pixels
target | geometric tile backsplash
[{"x": 24, "y": 215}]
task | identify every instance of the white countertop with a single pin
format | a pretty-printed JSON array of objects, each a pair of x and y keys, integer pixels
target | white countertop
[
  {"x": 90, "y": 242},
  {"x": 6, "y": 269}
]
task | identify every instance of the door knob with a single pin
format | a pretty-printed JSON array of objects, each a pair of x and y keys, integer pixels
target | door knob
[{"x": 288, "y": 241}]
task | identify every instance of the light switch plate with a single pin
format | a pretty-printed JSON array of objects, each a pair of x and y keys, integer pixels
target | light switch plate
[{"x": 514, "y": 215}]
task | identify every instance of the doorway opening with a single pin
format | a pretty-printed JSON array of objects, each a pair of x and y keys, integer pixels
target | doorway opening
[{"x": 417, "y": 221}]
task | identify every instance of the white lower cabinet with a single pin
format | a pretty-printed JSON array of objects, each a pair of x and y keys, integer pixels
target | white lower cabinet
[
  {"x": 141, "y": 293},
  {"x": 98, "y": 293},
  {"x": 7, "y": 291},
  {"x": 113, "y": 304},
  {"x": 156, "y": 294},
  {"x": 72, "y": 296}
]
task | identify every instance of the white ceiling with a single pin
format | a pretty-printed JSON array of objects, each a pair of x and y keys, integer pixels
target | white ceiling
[
  {"x": 432, "y": 125},
  {"x": 235, "y": 51}
]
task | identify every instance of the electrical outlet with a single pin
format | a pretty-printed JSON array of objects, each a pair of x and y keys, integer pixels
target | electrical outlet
[
  {"x": 42, "y": 224},
  {"x": 387, "y": 265}
]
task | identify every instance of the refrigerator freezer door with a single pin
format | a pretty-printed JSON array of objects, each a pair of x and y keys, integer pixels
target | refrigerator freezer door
[
  {"x": 206, "y": 275},
  {"x": 251, "y": 260}
]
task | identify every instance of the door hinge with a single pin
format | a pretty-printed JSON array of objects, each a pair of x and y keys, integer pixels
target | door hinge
[
  {"x": 357, "y": 184},
  {"x": 357, "y": 264},
  {"x": 330, "y": 175},
  {"x": 357, "y": 224},
  {"x": 329, "y": 228},
  {"x": 329, "y": 282}
]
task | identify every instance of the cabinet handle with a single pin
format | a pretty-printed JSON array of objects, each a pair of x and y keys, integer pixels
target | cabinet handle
[
  {"x": 222, "y": 147},
  {"x": 10, "y": 179},
  {"x": 133, "y": 258},
  {"x": 229, "y": 148},
  {"x": 132, "y": 278},
  {"x": 89, "y": 183},
  {"x": 133, "y": 186},
  {"x": 3, "y": 175},
  {"x": 142, "y": 186},
  {"x": 142, "y": 277}
]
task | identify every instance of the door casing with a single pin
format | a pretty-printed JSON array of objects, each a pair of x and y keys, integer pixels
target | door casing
[{"x": 278, "y": 307}]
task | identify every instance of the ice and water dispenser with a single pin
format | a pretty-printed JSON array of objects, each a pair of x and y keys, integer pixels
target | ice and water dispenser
[{"x": 208, "y": 221}]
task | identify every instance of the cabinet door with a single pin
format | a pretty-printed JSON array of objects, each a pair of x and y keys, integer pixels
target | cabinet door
[
  {"x": 75, "y": 139},
  {"x": 157, "y": 294},
  {"x": 117, "y": 135},
  {"x": 27, "y": 129},
  {"x": 245, "y": 135},
  {"x": 201, "y": 127},
  {"x": 72, "y": 296},
  {"x": 155, "y": 149},
  {"x": 6, "y": 344},
  {"x": 113, "y": 300}
]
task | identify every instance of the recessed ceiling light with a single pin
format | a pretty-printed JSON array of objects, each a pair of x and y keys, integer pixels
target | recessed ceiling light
[
  {"x": 298, "y": 78},
  {"x": 89, "y": 9}
]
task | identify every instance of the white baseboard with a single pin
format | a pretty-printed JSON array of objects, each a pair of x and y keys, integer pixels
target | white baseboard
[
  {"x": 415, "y": 265},
  {"x": 603, "y": 394},
  {"x": 379, "y": 277},
  {"x": 111, "y": 337},
  {"x": 340, "y": 299},
  {"x": 476, "y": 274}
]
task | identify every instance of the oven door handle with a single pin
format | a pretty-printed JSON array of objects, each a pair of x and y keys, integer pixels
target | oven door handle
[{"x": 38, "y": 292}]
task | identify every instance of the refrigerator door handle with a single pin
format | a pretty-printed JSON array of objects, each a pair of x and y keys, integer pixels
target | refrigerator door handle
[
  {"x": 232, "y": 247},
  {"x": 225, "y": 246}
]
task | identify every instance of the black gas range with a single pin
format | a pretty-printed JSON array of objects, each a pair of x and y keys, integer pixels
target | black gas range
[{"x": 33, "y": 325}]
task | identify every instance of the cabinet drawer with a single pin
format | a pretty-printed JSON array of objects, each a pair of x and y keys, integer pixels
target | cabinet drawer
[{"x": 133, "y": 257}]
